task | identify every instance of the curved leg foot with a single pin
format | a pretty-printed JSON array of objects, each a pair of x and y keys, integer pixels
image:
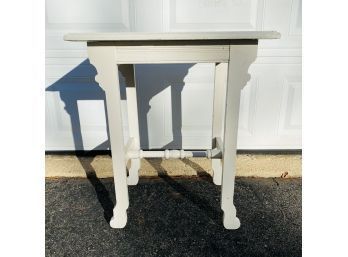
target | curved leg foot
[
  {"x": 133, "y": 177},
  {"x": 217, "y": 171},
  {"x": 119, "y": 220},
  {"x": 231, "y": 221}
]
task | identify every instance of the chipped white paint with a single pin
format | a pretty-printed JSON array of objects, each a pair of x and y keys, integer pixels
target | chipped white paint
[{"x": 238, "y": 54}]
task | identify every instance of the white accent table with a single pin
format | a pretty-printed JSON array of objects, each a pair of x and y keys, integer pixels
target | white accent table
[{"x": 232, "y": 53}]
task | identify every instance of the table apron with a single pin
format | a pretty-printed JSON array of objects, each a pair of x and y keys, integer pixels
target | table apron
[{"x": 171, "y": 54}]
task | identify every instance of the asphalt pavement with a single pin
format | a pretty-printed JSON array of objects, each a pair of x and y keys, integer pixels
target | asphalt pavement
[{"x": 173, "y": 217}]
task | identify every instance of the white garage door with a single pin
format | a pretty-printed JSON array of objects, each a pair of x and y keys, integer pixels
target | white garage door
[{"x": 270, "y": 114}]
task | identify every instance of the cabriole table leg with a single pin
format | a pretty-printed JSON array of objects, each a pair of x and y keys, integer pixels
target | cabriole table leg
[
  {"x": 241, "y": 57},
  {"x": 218, "y": 115},
  {"x": 128, "y": 71},
  {"x": 103, "y": 59}
]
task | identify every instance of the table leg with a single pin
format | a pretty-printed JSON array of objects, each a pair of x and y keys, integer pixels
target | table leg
[
  {"x": 128, "y": 72},
  {"x": 218, "y": 115},
  {"x": 241, "y": 57},
  {"x": 103, "y": 59}
]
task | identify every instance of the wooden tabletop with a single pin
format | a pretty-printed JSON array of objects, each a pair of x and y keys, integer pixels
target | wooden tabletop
[{"x": 172, "y": 36}]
